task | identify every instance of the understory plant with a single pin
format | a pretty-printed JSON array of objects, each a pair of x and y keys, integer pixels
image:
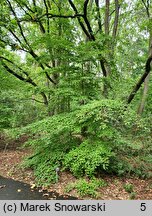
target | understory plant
[
  {"x": 86, "y": 187},
  {"x": 106, "y": 145}
]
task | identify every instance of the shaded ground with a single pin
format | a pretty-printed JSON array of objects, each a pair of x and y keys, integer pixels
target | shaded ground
[
  {"x": 10, "y": 159},
  {"x": 6, "y": 143}
]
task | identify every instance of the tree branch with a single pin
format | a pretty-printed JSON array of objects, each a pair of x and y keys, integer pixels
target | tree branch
[
  {"x": 90, "y": 33},
  {"x": 85, "y": 7},
  {"x": 99, "y": 15},
  {"x": 117, "y": 6},
  {"x": 42, "y": 29},
  {"x": 87, "y": 21},
  {"x": 34, "y": 3},
  {"x": 41, "y": 65},
  {"x": 22, "y": 7},
  {"x": 15, "y": 36},
  {"x": 25, "y": 99},
  {"x": 31, "y": 18},
  {"x": 16, "y": 66},
  {"x": 30, "y": 51},
  {"x": 146, "y": 7},
  {"x": 19, "y": 25},
  {"x": 28, "y": 80},
  {"x": 49, "y": 4},
  {"x": 79, "y": 19},
  {"x": 25, "y": 5},
  {"x": 141, "y": 80},
  {"x": 37, "y": 100},
  {"x": 48, "y": 21},
  {"x": 60, "y": 16},
  {"x": 102, "y": 64}
]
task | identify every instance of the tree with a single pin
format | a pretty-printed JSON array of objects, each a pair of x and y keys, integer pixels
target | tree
[{"x": 26, "y": 17}]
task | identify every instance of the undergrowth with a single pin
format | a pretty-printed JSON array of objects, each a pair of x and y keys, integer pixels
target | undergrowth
[
  {"x": 85, "y": 187},
  {"x": 115, "y": 141}
]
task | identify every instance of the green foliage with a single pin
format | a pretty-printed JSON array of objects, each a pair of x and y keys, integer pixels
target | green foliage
[
  {"x": 132, "y": 195},
  {"x": 50, "y": 144},
  {"x": 88, "y": 157},
  {"x": 86, "y": 188},
  {"x": 5, "y": 112},
  {"x": 128, "y": 188},
  {"x": 17, "y": 111},
  {"x": 102, "y": 118},
  {"x": 57, "y": 142},
  {"x": 44, "y": 165},
  {"x": 53, "y": 65},
  {"x": 81, "y": 158}
]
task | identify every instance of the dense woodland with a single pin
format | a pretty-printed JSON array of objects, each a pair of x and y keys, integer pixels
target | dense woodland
[{"x": 75, "y": 79}]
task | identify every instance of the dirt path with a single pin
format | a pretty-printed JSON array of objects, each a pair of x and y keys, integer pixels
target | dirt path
[{"x": 9, "y": 167}]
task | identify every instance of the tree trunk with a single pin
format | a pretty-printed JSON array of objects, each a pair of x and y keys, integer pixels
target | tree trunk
[
  {"x": 141, "y": 80},
  {"x": 144, "y": 96},
  {"x": 107, "y": 17},
  {"x": 146, "y": 83}
]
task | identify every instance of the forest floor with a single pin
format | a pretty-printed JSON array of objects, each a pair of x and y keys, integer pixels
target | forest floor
[{"x": 9, "y": 167}]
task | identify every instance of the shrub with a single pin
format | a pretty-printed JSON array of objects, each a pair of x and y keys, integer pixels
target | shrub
[
  {"x": 88, "y": 157},
  {"x": 107, "y": 145}
]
